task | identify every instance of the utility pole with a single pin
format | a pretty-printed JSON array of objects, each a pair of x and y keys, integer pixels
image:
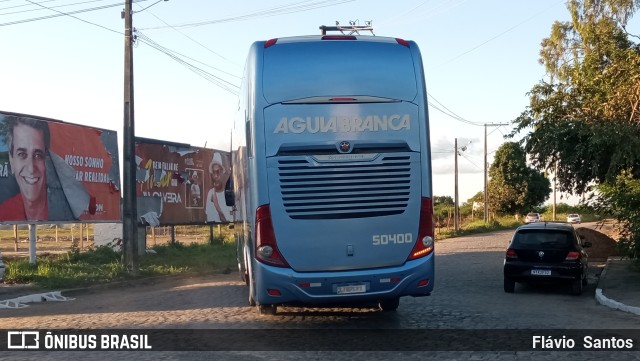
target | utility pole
[
  {"x": 486, "y": 165},
  {"x": 486, "y": 193},
  {"x": 456, "y": 210},
  {"x": 130, "y": 212},
  {"x": 555, "y": 176}
]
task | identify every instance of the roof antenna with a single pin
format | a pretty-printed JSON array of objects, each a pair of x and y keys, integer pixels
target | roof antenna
[{"x": 351, "y": 29}]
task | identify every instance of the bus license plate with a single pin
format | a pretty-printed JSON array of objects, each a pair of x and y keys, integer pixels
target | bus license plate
[
  {"x": 351, "y": 289},
  {"x": 541, "y": 272}
]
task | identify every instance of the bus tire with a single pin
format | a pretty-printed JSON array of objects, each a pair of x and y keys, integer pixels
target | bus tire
[
  {"x": 390, "y": 304},
  {"x": 252, "y": 289},
  {"x": 242, "y": 267},
  {"x": 269, "y": 310},
  {"x": 240, "y": 261}
]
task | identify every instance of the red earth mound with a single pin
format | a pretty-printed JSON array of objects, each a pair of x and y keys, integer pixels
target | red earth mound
[{"x": 602, "y": 245}]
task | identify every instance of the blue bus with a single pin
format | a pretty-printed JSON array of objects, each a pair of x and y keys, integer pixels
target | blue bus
[{"x": 331, "y": 173}]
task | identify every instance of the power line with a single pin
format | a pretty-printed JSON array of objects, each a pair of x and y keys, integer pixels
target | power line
[
  {"x": 216, "y": 80},
  {"x": 60, "y": 13},
  {"x": 195, "y": 41},
  {"x": 470, "y": 161},
  {"x": 499, "y": 35},
  {"x": 30, "y": 4},
  {"x": 139, "y": 11},
  {"x": 23, "y": 5},
  {"x": 280, "y": 10},
  {"x": 431, "y": 12},
  {"x": 450, "y": 113},
  {"x": 431, "y": 105},
  {"x": 231, "y": 88}
]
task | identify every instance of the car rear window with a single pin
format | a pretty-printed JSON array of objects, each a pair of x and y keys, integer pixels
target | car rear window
[{"x": 542, "y": 238}]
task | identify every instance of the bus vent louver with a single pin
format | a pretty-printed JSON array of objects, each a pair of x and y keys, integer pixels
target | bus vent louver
[{"x": 342, "y": 191}]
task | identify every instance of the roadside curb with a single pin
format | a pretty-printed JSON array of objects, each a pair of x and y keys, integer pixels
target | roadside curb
[
  {"x": 606, "y": 301},
  {"x": 603, "y": 300}
]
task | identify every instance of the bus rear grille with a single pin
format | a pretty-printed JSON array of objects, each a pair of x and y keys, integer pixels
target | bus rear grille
[{"x": 336, "y": 191}]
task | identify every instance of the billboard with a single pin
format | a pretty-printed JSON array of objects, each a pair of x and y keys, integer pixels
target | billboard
[
  {"x": 178, "y": 184},
  {"x": 57, "y": 172}
]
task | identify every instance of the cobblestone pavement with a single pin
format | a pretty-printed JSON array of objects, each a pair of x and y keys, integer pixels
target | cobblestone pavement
[{"x": 468, "y": 295}]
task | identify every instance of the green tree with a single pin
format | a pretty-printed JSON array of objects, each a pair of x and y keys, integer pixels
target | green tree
[
  {"x": 478, "y": 198},
  {"x": 466, "y": 209},
  {"x": 448, "y": 200},
  {"x": 585, "y": 118},
  {"x": 514, "y": 187},
  {"x": 621, "y": 200},
  {"x": 442, "y": 210}
]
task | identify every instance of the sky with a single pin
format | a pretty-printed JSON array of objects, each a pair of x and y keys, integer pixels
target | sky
[{"x": 64, "y": 59}]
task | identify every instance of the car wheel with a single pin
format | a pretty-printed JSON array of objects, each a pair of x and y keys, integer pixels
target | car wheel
[
  {"x": 509, "y": 285},
  {"x": 576, "y": 287},
  {"x": 267, "y": 309},
  {"x": 389, "y": 304}
]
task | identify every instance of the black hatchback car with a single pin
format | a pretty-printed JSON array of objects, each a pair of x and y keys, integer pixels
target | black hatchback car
[{"x": 546, "y": 252}]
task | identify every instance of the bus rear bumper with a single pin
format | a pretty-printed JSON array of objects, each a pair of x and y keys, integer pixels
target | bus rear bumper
[{"x": 276, "y": 285}]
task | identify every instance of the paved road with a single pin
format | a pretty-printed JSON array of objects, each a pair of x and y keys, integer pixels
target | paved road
[{"x": 468, "y": 295}]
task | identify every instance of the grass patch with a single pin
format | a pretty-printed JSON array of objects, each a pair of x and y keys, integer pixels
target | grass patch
[
  {"x": 102, "y": 265},
  {"x": 177, "y": 257},
  {"x": 562, "y": 217},
  {"x": 479, "y": 226}
]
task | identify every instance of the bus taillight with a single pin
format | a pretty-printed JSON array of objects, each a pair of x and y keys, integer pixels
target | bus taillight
[
  {"x": 271, "y": 42},
  {"x": 425, "y": 242},
  {"x": 339, "y": 37},
  {"x": 402, "y": 42},
  {"x": 266, "y": 246}
]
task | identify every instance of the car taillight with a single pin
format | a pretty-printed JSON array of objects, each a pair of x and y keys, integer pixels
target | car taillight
[
  {"x": 424, "y": 244},
  {"x": 511, "y": 254},
  {"x": 572, "y": 256},
  {"x": 266, "y": 245}
]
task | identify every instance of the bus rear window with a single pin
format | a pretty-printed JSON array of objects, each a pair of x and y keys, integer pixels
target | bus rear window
[{"x": 326, "y": 68}]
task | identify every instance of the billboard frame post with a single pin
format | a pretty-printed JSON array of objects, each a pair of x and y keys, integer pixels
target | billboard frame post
[
  {"x": 16, "y": 239},
  {"x": 142, "y": 241},
  {"x": 32, "y": 244}
]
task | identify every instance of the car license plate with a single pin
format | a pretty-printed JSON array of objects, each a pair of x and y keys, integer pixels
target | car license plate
[
  {"x": 541, "y": 272},
  {"x": 351, "y": 289}
]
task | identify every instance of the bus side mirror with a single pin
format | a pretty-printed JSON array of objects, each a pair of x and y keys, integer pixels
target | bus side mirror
[{"x": 229, "y": 196}]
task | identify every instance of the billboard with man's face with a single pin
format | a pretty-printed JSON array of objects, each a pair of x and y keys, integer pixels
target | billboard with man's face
[
  {"x": 51, "y": 172},
  {"x": 180, "y": 184}
]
